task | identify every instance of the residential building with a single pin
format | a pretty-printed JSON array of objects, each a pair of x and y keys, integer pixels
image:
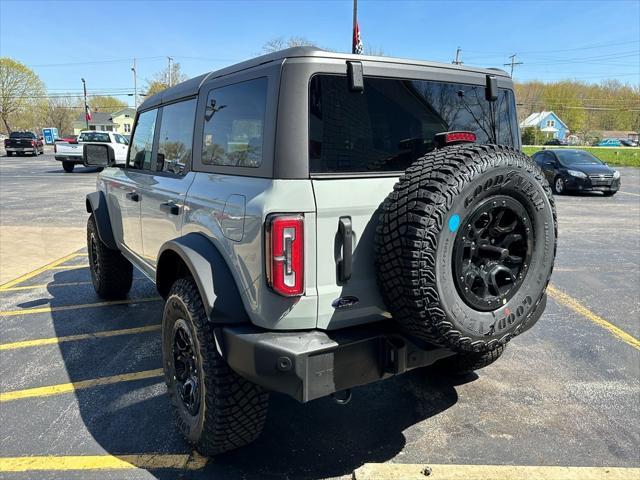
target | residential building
[
  {"x": 548, "y": 123},
  {"x": 120, "y": 121}
]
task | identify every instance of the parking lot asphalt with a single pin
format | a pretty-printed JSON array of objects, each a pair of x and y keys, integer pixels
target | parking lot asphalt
[{"x": 82, "y": 394}]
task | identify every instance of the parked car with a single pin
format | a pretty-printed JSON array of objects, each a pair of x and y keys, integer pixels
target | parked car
[
  {"x": 288, "y": 207},
  {"x": 69, "y": 139},
  {"x": 70, "y": 152},
  {"x": 23, "y": 142},
  {"x": 628, "y": 143},
  {"x": 577, "y": 170},
  {"x": 609, "y": 142},
  {"x": 556, "y": 141}
]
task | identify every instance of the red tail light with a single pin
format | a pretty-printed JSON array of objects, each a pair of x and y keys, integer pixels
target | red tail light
[
  {"x": 453, "y": 138},
  {"x": 33, "y": 143},
  {"x": 285, "y": 254}
]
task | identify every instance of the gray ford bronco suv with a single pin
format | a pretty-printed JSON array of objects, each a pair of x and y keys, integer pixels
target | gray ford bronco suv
[{"x": 318, "y": 221}]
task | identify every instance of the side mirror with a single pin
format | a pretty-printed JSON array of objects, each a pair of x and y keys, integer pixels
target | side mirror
[{"x": 97, "y": 155}]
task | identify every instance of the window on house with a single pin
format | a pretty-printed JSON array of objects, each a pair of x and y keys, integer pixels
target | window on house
[{"x": 127, "y": 128}]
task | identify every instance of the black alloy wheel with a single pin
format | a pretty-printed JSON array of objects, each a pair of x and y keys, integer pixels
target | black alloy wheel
[
  {"x": 187, "y": 370},
  {"x": 492, "y": 252}
]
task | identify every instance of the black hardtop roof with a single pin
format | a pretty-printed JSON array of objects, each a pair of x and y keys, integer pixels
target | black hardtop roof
[{"x": 192, "y": 86}]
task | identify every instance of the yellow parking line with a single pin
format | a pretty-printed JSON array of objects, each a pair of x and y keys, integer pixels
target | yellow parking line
[
  {"x": 73, "y": 386},
  {"x": 40, "y": 270},
  {"x": 44, "y": 285},
  {"x": 39, "y": 342},
  {"x": 69, "y": 267},
  {"x": 52, "y": 285},
  {"x": 62, "y": 308},
  {"x": 398, "y": 471},
  {"x": 147, "y": 461},
  {"x": 576, "y": 306}
]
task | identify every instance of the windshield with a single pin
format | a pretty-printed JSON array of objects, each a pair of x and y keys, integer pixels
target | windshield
[
  {"x": 22, "y": 135},
  {"x": 577, "y": 157},
  {"x": 393, "y": 122},
  {"x": 94, "y": 137}
]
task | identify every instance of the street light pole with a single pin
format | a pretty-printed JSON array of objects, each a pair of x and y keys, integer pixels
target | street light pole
[
  {"x": 135, "y": 84},
  {"x": 84, "y": 87}
]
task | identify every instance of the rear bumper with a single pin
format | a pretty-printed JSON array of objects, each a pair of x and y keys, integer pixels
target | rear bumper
[
  {"x": 313, "y": 364},
  {"x": 71, "y": 159},
  {"x": 21, "y": 149}
]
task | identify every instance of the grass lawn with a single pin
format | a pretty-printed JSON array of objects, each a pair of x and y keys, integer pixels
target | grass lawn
[{"x": 625, "y": 156}]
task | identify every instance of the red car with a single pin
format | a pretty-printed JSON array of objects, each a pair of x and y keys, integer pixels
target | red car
[{"x": 23, "y": 142}]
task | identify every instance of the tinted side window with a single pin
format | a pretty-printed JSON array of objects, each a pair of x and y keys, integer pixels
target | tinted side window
[
  {"x": 394, "y": 121},
  {"x": 142, "y": 141},
  {"x": 234, "y": 124},
  {"x": 176, "y": 136}
]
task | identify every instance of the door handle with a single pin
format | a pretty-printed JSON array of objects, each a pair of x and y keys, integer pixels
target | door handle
[
  {"x": 133, "y": 196},
  {"x": 345, "y": 261},
  {"x": 170, "y": 208}
]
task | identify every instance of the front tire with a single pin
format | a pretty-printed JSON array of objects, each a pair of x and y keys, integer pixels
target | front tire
[
  {"x": 216, "y": 409},
  {"x": 68, "y": 167},
  {"x": 111, "y": 273},
  {"x": 559, "y": 187}
]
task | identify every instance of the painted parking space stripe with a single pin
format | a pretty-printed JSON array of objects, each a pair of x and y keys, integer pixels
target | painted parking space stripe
[
  {"x": 69, "y": 267},
  {"x": 396, "y": 471},
  {"x": 44, "y": 285},
  {"x": 38, "y": 271},
  {"x": 63, "y": 308},
  {"x": 146, "y": 461},
  {"x": 39, "y": 342},
  {"x": 73, "y": 386},
  {"x": 629, "y": 193},
  {"x": 577, "y": 307}
]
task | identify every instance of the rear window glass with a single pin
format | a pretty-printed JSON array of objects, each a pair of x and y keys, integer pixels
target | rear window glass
[
  {"x": 94, "y": 137},
  {"x": 393, "y": 122},
  {"x": 28, "y": 135}
]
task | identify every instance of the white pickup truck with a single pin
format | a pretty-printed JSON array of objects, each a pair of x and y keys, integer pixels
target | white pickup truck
[{"x": 70, "y": 153}]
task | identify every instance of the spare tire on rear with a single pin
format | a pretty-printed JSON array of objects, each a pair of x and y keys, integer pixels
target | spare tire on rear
[{"x": 465, "y": 246}]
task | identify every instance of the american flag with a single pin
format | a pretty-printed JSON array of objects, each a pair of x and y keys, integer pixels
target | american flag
[
  {"x": 88, "y": 113},
  {"x": 357, "y": 41}
]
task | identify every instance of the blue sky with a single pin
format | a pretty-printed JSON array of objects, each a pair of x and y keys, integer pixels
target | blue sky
[{"x": 585, "y": 40}]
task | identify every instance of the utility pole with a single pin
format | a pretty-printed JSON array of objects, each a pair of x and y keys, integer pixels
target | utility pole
[
  {"x": 86, "y": 109},
  {"x": 457, "y": 61},
  {"x": 135, "y": 84},
  {"x": 170, "y": 60},
  {"x": 512, "y": 63}
]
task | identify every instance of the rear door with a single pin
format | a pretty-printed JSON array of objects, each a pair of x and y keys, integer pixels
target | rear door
[
  {"x": 165, "y": 188},
  {"x": 359, "y": 145}
]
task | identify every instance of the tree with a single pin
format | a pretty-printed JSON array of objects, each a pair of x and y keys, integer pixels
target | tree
[
  {"x": 280, "y": 43},
  {"x": 529, "y": 135},
  {"x": 160, "y": 81},
  {"x": 20, "y": 90},
  {"x": 105, "y": 104},
  {"x": 60, "y": 113}
]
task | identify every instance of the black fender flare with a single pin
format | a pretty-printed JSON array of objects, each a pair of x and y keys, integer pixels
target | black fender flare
[
  {"x": 217, "y": 287},
  {"x": 96, "y": 204}
]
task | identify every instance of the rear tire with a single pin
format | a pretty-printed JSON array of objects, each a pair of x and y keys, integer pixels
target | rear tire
[
  {"x": 68, "y": 166},
  {"x": 466, "y": 363},
  {"x": 216, "y": 409},
  {"x": 9, "y": 154},
  {"x": 111, "y": 273}
]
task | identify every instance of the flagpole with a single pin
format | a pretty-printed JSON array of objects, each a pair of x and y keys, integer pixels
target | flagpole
[
  {"x": 355, "y": 22},
  {"x": 84, "y": 87}
]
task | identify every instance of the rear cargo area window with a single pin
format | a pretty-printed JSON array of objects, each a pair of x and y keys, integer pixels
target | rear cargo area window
[
  {"x": 393, "y": 122},
  {"x": 234, "y": 124}
]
